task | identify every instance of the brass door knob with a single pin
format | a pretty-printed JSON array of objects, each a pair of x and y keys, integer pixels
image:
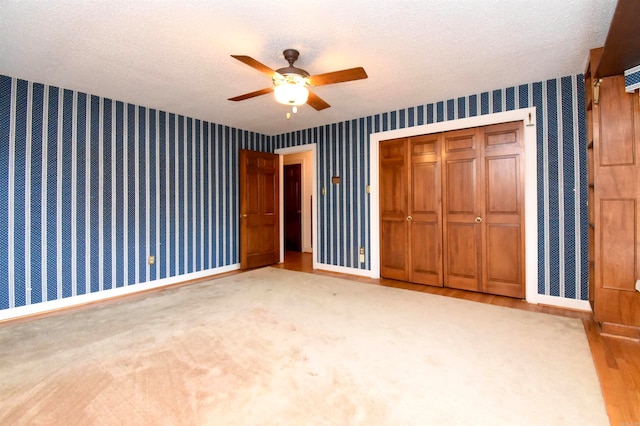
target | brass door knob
[{"x": 478, "y": 219}]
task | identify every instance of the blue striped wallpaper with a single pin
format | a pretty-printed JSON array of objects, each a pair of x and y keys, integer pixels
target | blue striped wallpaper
[
  {"x": 632, "y": 79},
  {"x": 343, "y": 150},
  {"x": 91, "y": 187}
]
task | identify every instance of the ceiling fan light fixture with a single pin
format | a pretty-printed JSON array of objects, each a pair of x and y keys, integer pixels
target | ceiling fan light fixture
[{"x": 291, "y": 94}]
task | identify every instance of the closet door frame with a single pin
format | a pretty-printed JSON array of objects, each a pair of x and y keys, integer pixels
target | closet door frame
[{"x": 527, "y": 116}]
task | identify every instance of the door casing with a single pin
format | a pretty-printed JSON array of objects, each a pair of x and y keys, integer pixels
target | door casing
[
  {"x": 527, "y": 116},
  {"x": 314, "y": 194}
]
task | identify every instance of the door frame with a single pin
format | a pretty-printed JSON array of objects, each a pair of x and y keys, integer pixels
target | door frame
[
  {"x": 314, "y": 200},
  {"x": 528, "y": 117}
]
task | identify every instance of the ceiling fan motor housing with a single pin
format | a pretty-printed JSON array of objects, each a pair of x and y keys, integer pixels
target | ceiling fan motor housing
[{"x": 291, "y": 55}]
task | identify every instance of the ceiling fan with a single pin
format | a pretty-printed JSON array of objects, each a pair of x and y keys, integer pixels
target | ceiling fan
[{"x": 291, "y": 84}]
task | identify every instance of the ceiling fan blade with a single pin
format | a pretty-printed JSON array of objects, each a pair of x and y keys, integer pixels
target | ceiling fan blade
[
  {"x": 254, "y": 64},
  {"x": 338, "y": 76},
  {"x": 316, "y": 102},
  {"x": 252, "y": 94}
]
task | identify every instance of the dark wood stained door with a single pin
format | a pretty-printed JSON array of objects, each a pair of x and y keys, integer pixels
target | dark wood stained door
[
  {"x": 293, "y": 207},
  {"x": 259, "y": 209}
]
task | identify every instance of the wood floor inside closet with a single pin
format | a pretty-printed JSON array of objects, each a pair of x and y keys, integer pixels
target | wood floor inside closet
[{"x": 617, "y": 360}]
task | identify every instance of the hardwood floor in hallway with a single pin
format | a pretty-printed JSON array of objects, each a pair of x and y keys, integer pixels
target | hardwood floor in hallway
[{"x": 617, "y": 360}]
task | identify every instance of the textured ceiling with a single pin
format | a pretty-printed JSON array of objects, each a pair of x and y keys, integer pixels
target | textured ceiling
[{"x": 174, "y": 55}]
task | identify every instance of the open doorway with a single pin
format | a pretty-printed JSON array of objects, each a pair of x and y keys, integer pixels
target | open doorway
[
  {"x": 293, "y": 200},
  {"x": 302, "y": 158}
]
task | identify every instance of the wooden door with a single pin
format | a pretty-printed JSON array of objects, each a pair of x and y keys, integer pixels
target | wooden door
[
  {"x": 259, "y": 209},
  {"x": 394, "y": 261},
  {"x": 462, "y": 209},
  {"x": 293, "y": 207},
  {"x": 410, "y": 227},
  {"x": 483, "y": 209},
  {"x": 424, "y": 226},
  {"x": 503, "y": 220}
]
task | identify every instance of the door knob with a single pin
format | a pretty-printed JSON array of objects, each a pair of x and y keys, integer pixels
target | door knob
[
  {"x": 244, "y": 215},
  {"x": 478, "y": 219},
  {"x": 409, "y": 218}
]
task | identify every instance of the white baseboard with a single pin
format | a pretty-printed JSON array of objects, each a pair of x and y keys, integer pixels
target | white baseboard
[
  {"x": 563, "y": 302},
  {"x": 67, "y": 302},
  {"x": 344, "y": 270}
]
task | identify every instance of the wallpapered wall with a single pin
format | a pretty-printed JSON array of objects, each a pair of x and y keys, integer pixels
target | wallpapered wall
[
  {"x": 343, "y": 150},
  {"x": 92, "y": 187}
]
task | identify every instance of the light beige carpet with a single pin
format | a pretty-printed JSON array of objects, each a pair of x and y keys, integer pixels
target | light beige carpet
[{"x": 276, "y": 347}]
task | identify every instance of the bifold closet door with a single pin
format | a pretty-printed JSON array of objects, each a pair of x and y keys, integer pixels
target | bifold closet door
[
  {"x": 483, "y": 217},
  {"x": 410, "y": 219},
  {"x": 503, "y": 242},
  {"x": 394, "y": 261},
  {"x": 463, "y": 209},
  {"x": 425, "y": 223}
]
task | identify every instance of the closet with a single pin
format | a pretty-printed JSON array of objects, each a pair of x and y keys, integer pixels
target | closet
[{"x": 451, "y": 209}]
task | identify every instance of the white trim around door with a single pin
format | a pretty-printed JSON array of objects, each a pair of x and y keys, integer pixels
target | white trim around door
[
  {"x": 314, "y": 196},
  {"x": 527, "y": 115}
]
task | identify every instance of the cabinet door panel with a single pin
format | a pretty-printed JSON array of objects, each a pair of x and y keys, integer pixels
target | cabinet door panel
[
  {"x": 617, "y": 260},
  {"x": 617, "y": 145}
]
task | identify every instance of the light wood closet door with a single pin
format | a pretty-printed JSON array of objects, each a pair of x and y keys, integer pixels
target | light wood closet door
[
  {"x": 410, "y": 229},
  {"x": 394, "y": 261},
  {"x": 503, "y": 233},
  {"x": 425, "y": 226},
  {"x": 483, "y": 218},
  {"x": 451, "y": 209},
  {"x": 463, "y": 209}
]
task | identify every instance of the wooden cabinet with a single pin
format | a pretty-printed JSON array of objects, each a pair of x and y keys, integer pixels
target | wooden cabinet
[
  {"x": 613, "y": 131},
  {"x": 452, "y": 209}
]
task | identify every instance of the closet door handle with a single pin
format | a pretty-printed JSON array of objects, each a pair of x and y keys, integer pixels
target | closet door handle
[
  {"x": 409, "y": 218},
  {"x": 478, "y": 219}
]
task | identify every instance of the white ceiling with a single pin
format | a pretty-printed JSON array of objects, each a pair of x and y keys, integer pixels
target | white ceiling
[{"x": 174, "y": 55}]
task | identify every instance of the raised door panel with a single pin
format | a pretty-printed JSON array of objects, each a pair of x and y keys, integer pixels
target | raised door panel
[
  {"x": 461, "y": 257},
  {"x": 393, "y": 250},
  {"x": 617, "y": 234},
  {"x": 426, "y": 259},
  {"x": 424, "y": 194},
  {"x": 461, "y": 192},
  {"x": 617, "y": 145},
  {"x": 503, "y": 185},
  {"x": 504, "y": 260},
  {"x": 392, "y": 176}
]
